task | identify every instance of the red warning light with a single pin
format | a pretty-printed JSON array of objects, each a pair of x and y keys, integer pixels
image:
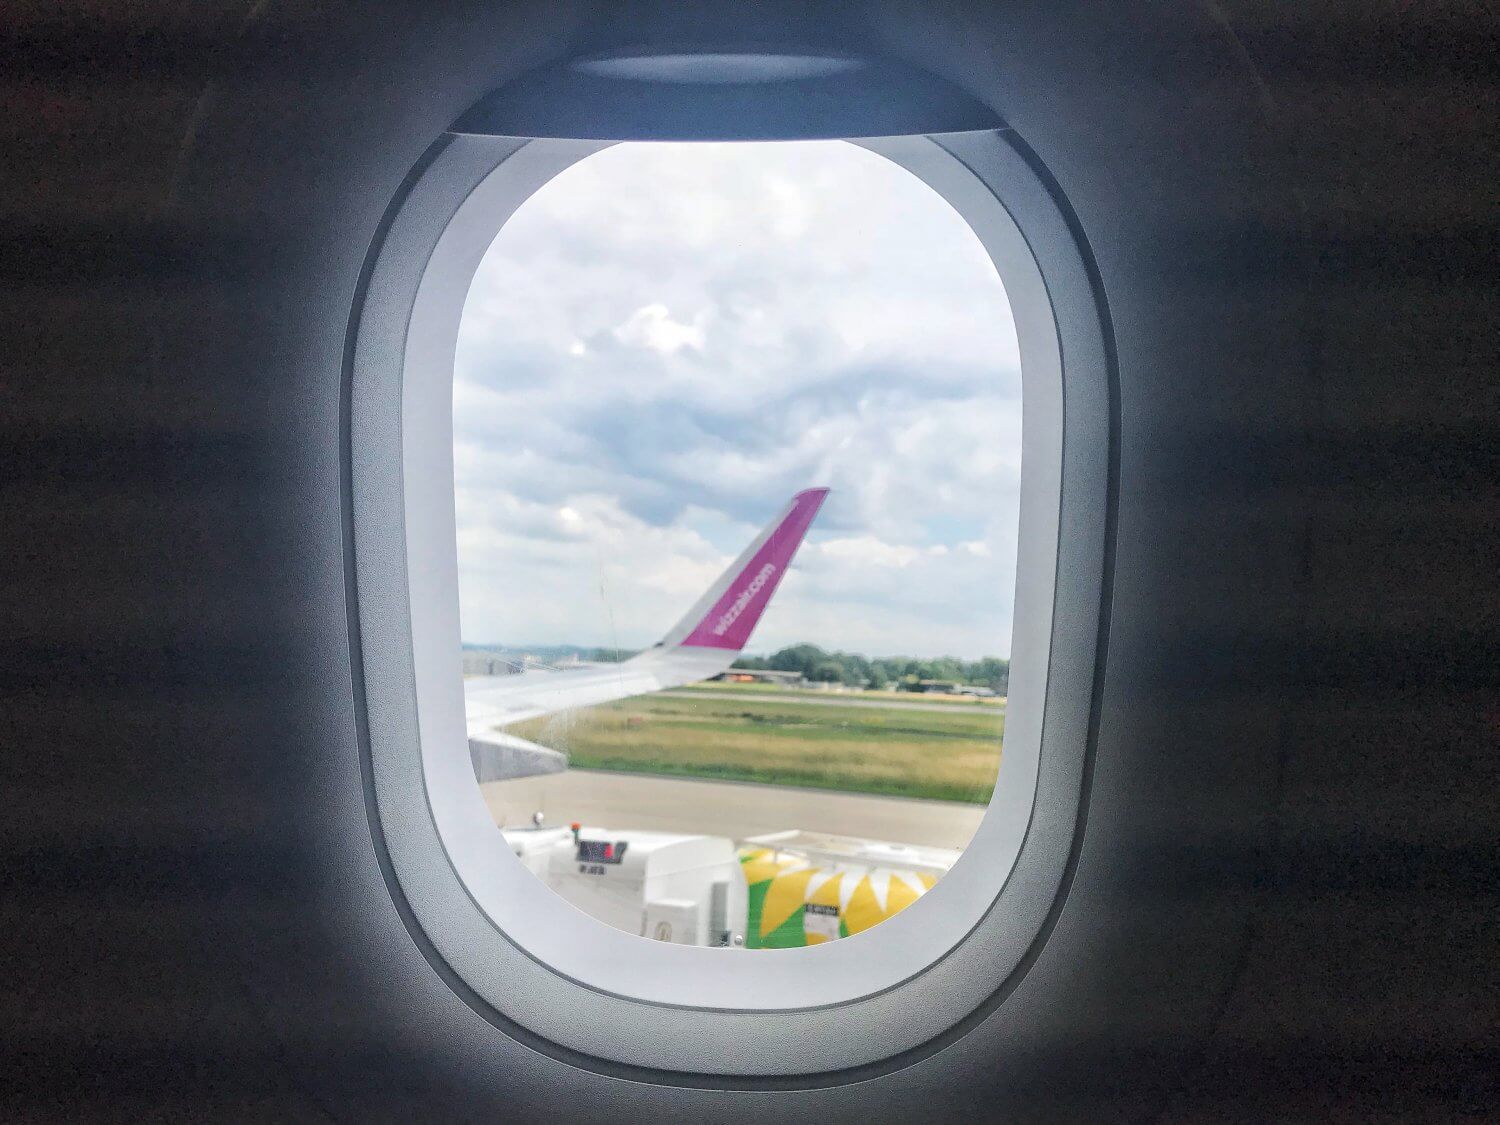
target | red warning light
[{"x": 609, "y": 851}]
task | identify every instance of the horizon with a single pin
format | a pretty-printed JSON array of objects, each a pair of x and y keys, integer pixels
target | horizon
[{"x": 755, "y": 654}]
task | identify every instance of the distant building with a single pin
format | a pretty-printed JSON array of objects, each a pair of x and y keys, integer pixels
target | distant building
[
  {"x": 949, "y": 687},
  {"x": 760, "y": 676},
  {"x": 479, "y": 662}
]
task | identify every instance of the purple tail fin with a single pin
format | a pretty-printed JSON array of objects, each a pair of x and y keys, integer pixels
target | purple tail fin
[{"x": 726, "y": 616}]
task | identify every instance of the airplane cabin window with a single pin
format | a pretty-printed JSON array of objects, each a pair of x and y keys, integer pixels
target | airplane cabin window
[
  {"x": 725, "y": 630},
  {"x": 737, "y": 456}
]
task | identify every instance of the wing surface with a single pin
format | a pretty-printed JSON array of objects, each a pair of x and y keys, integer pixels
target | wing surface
[{"x": 702, "y": 644}]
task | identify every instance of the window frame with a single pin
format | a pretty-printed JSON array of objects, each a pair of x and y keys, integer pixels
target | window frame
[{"x": 534, "y": 961}]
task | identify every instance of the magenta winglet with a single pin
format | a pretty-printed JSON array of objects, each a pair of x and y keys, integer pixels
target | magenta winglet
[{"x": 731, "y": 620}]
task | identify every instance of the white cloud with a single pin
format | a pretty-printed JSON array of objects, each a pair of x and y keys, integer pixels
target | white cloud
[
  {"x": 602, "y": 576},
  {"x": 867, "y": 550},
  {"x": 652, "y": 326}
]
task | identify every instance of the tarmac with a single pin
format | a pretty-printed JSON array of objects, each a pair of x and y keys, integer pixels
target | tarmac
[{"x": 605, "y": 799}]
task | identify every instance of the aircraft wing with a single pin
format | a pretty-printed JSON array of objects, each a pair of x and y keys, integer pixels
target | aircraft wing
[{"x": 702, "y": 644}]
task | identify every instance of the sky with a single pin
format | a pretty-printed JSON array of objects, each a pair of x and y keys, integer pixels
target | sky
[{"x": 667, "y": 341}]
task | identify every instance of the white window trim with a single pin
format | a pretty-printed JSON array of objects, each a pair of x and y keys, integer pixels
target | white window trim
[{"x": 535, "y": 958}]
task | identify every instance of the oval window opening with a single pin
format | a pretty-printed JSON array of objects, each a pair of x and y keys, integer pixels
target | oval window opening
[{"x": 737, "y": 455}]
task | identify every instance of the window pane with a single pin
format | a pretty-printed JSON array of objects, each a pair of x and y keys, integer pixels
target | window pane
[{"x": 737, "y": 458}]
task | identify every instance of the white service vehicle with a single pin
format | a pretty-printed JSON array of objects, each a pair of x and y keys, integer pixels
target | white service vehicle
[{"x": 781, "y": 890}]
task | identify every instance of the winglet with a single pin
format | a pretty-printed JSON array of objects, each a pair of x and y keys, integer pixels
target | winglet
[{"x": 725, "y": 617}]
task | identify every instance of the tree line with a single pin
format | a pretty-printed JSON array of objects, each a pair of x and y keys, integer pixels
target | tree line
[
  {"x": 886, "y": 672},
  {"x": 818, "y": 665}
]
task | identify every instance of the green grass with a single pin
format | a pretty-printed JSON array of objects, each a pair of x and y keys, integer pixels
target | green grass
[{"x": 891, "y": 751}]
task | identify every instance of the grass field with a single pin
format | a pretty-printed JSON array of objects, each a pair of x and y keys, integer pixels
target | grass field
[{"x": 855, "y": 749}]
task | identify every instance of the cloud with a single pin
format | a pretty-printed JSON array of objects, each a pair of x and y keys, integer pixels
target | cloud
[
  {"x": 866, "y": 550},
  {"x": 668, "y": 340},
  {"x": 652, "y": 326}
]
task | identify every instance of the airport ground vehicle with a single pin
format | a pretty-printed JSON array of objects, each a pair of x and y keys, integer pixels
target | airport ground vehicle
[{"x": 783, "y": 890}]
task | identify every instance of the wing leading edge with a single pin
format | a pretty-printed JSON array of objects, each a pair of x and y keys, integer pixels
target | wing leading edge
[{"x": 702, "y": 644}]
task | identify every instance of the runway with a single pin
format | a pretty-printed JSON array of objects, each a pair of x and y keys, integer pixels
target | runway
[{"x": 726, "y": 808}]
